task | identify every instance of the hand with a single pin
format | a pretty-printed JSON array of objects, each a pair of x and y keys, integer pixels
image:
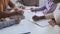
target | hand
[
  {"x": 18, "y": 20},
  {"x": 16, "y": 9},
  {"x": 32, "y": 9},
  {"x": 2, "y": 19},
  {"x": 52, "y": 23},
  {"x": 36, "y": 18},
  {"x": 21, "y": 12},
  {"x": 23, "y": 7}
]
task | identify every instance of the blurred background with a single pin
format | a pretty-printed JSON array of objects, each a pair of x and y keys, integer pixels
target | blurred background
[{"x": 32, "y": 2}]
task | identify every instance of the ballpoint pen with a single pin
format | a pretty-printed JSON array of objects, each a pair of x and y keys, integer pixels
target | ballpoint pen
[{"x": 27, "y": 33}]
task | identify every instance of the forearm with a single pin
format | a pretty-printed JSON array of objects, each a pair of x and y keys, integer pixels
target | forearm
[
  {"x": 7, "y": 14},
  {"x": 49, "y": 16},
  {"x": 4, "y": 14},
  {"x": 1, "y": 7},
  {"x": 12, "y": 13},
  {"x": 12, "y": 5}
]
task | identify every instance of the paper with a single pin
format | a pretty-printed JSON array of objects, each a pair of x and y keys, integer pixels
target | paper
[
  {"x": 39, "y": 13},
  {"x": 41, "y": 23}
]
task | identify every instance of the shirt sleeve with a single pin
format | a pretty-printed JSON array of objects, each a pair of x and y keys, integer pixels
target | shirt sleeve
[
  {"x": 40, "y": 9},
  {"x": 7, "y": 23},
  {"x": 52, "y": 9}
]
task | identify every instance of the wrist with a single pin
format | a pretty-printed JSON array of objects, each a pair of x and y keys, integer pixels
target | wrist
[
  {"x": 42, "y": 17},
  {"x": 16, "y": 9}
]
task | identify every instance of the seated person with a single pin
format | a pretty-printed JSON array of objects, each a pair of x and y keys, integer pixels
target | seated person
[
  {"x": 20, "y": 4},
  {"x": 56, "y": 19},
  {"x": 4, "y": 14},
  {"x": 47, "y": 10}
]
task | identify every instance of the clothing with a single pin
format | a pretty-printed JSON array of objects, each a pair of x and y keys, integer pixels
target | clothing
[
  {"x": 55, "y": 14},
  {"x": 7, "y": 23},
  {"x": 3, "y": 7},
  {"x": 48, "y": 8}
]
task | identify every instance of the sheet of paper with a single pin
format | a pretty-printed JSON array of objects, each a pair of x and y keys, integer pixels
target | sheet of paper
[
  {"x": 39, "y": 13},
  {"x": 41, "y": 22}
]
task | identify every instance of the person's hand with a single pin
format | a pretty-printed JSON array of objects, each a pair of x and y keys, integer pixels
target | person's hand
[
  {"x": 23, "y": 7},
  {"x": 52, "y": 23},
  {"x": 32, "y": 9},
  {"x": 18, "y": 20},
  {"x": 2, "y": 19},
  {"x": 21, "y": 12},
  {"x": 16, "y": 10},
  {"x": 36, "y": 18}
]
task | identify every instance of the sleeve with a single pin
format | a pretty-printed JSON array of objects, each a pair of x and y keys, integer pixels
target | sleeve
[
  {"x": 7, "y": 23},
  {"x": 1, "y": 25},
  {"x": 40, "y": 9},
  {"x": 52, "y": 9}
]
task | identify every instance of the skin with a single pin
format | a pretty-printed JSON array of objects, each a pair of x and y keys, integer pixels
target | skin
[
  {"x": 36, "y": 18},
  {"x": 4, "y": 14}
]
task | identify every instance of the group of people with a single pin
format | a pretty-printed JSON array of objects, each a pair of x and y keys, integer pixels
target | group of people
[{"x": 48, "y": 10}]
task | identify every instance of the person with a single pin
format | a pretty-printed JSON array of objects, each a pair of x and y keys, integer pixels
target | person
[
  {"x": 56, "y": 15},
  {"x": 4, "y": 13},
  {"x": 47, "y": 10}
]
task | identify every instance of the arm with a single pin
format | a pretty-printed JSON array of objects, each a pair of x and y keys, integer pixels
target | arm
[
  {"x": 12, "y": 5},
  {"x": 40, "y": 9},
  {"x": 17, "y": 11},
  {"x": 1, "y": 7},
  {"x": 53, "y": 7}
]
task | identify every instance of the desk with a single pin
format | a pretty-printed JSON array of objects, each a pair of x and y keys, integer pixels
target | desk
[{"x": 27, "y": 26}]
